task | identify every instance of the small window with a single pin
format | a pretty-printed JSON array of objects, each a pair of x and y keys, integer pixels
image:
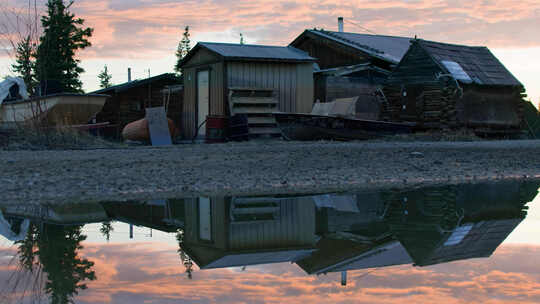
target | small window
[
  {"x": 457, "y": 71},
  {"x": 458, "y": 235}
]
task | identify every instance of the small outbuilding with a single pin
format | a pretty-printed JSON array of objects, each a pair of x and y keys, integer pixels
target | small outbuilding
[
  {"x": 214, "y": 71},
  {"x": 127, "y": 101},
  {"x": 441, "y": 85}
]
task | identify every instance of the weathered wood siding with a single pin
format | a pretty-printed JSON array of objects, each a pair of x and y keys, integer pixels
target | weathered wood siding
[
  {"x": 129, "y": 105},
  {"x": 294, "y": 82},
  {"x": 331, "y": 54},
  {"x": 419, "y": 91}
]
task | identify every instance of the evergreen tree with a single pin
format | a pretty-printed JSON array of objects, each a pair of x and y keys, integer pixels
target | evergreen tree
[
  {"x": 106, "y": 229},
  {"x": 183, "y": 49},
  {"x": 62, "y": 37},
  {"x": 24, "y": 62},
  {"x": 105, "y": 78}
]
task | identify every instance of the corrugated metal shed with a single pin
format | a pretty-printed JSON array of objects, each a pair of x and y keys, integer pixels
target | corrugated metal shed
[
  {"x": 481, "y": 66},
  {"x": 286, "y": 70}
]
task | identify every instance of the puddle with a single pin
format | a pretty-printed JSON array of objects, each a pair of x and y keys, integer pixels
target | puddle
[{"x": 414, "y": 244}]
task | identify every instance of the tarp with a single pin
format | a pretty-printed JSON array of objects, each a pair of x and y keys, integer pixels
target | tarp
[
  {"x": 339, "y": 107},
  {"x": 10, "y": 82}
]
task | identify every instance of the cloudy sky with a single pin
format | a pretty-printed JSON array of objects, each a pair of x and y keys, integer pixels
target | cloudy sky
[
  {"x": 146, "y": 273},
  {"x": 143, "y": 34}
]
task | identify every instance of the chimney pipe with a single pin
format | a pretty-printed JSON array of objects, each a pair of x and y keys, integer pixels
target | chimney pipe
[
  {"x": 129, "y": 74},
  {"x": 340, "y": 24}
]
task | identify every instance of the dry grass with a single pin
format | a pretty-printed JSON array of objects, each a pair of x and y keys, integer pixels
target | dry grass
[{"x": 30, "y": 137}]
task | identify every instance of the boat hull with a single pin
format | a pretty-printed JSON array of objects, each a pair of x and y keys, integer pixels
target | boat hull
[
  {"x": 320, "y": 127},
  {"x": 139, "y": 131},
  {"x": 53, "y": 110}
]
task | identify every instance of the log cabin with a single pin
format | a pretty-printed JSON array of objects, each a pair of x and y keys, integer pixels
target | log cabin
[{"x": 439, "y": 85}]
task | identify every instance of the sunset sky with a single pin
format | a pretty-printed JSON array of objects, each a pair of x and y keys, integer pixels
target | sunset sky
[{"x": 143, "y": 34}]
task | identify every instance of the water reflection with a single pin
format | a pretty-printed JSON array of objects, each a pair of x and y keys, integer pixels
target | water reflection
[{"x": 321, "y": 233}]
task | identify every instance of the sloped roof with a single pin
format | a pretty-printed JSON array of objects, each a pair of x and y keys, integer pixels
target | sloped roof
[
  {"x": 138, "y": 82},
  {"x": 252, "y": 52},
  {"x": 479, "y": 64},
  {"x": 388, "y": 48}
]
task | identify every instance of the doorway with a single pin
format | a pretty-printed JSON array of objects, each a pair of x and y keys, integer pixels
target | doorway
[{"x": 203, "y": 100}]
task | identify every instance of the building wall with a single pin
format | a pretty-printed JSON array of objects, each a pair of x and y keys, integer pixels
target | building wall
[
  {"x": 294, "y": 82},
  {"x": 129, "y": 105}
]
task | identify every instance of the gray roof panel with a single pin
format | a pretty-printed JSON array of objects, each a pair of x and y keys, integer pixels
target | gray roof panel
[
  {"x": 257, "y": 52},
  {"x": 389, "y": 48}
]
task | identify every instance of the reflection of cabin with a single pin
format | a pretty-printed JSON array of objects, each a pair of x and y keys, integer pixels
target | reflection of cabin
[
  {"x": 444, "y": 85},
  {"x": 212, "y": 69},
  {"x": 437, "y": 225},
  {"x": 342, "y": 255},
  {"x": 164, "y": 215},
  {"x": 245, "y": 231},
  {"x": 62, "y": 214},
  {"x": 127, "y": 101}
]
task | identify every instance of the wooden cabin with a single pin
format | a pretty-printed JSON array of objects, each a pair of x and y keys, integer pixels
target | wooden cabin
[
  {"x": 352, "y": 64},
  {"x": 127, "y": 101},
  {"x": 339, "y": 49},
  {"x": 442, "y": 85},
  {"x": 212, "y": 71}
]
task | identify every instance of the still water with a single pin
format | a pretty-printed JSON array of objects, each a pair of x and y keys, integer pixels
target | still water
[{"x": 452, "y": 244}]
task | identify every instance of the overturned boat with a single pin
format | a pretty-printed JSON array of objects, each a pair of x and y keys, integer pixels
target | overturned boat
[
  {"x": 338, "y": 120},
  {"x": 52, "y": 110}
]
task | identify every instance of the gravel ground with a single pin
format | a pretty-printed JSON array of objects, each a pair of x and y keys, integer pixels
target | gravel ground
[{"x": 256, "y": 168}]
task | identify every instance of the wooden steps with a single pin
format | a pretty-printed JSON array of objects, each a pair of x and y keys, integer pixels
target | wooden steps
[{"x": 257, "y": 104}]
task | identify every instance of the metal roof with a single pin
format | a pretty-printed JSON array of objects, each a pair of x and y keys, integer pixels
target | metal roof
[
  {"x": 138, "y": 82},
  {"x": 388, "y": 48},
  {"x": 477, "y": 62},
  {"x": 251, "y": 52}
]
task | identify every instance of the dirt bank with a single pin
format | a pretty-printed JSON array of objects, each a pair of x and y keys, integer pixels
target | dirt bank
[{"x": 256, "y": 167}]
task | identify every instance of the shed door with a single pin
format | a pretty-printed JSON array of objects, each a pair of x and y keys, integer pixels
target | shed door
[{"x": 203, "y": 94}]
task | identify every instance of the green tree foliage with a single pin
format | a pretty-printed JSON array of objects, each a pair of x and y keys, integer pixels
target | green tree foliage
[
  {"x": 62, "y": 37},
  {"x": 105, "y": 78},
  {"x": 54, "y": 249},
  {"x": 183, "y": 49},
  {"x": 241, "y": 39},
  {"x": 106, "y": 229},
  {"x": 24, "y": 65}
]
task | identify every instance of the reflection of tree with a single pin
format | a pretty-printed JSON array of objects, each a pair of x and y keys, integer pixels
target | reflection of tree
[
  {"x": 186, "y": 260},
  {"x": 53, "y": 250},
  {"x": 106, "y": 229}
]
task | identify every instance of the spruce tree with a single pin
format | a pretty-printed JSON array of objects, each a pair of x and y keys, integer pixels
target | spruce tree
[
  {"x": 183, "y": 49},
  {"x": 105, "y": 78},
  {"x": 63, "y": 35},
  {"x": 23, "y": 66}
]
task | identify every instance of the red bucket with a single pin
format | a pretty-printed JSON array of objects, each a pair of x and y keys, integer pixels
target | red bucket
[{"x": 216, "y": 128}]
